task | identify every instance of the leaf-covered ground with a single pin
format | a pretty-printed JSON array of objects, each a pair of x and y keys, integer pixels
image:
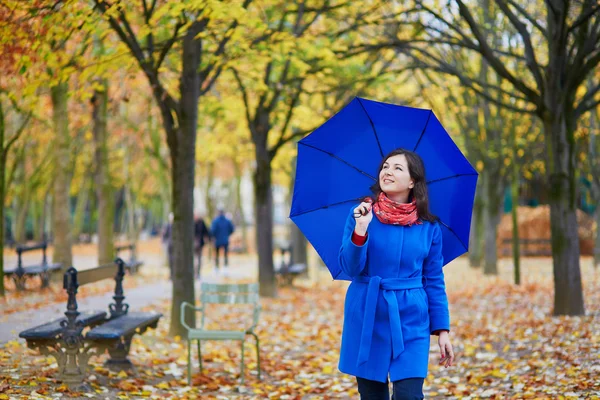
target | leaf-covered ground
[{"x": 507, "y": 342}]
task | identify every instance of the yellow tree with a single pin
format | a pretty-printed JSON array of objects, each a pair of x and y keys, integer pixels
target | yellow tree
[
  {"x": 182, "y": 49},
  {"x": 300, "y": 53}
]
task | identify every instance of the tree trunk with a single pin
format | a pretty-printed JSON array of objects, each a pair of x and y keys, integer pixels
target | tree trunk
[
  {"x": 594, "y": 163},
  {"x": 210, "y": 207},
  {"x": 104, "y": 190},
  {"x": 37, "y": 215},
  {"x": 475, "y": 242},
  {"x": 491, "y": 218},
  {"x": 263, "y": 200},
  {"x": 21, "y": 220},
  {"x": 80, "y": 209},
  {"x": 298, "y": 241},
  {"x": 514, "y": 194},
  {"x": 61, "y": 205},
  {"x": 44, "y": 217},
  {"x": 597, "y": 237},
  {"x": 2, "y": 198},
  {"x": 238, "y": 195},
  {"x": 568, "y": 294},
  {"x": 182, "y": 143}
]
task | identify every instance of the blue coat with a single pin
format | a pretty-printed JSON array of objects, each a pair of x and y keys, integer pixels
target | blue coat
[
  {"x": 221, "y": 229},
  {"x": 396, "y": 300}
]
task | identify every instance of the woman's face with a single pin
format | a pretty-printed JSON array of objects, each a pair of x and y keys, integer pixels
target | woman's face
[{"x": 394, "y": 178}]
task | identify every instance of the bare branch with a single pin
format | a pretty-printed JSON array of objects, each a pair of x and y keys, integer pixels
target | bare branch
[
  {"x": 529, "y": 18},
  {"x": 281, "y": 141},
  {"x": 496, "y": 63},
  {"x": 169, "y": 44},
  {"x": 440, "y": 18},
  {"x": 583, "y": 18},
  {"x": 244, "y": 95},
  {"x": 532, "y": 63},
  {"x": 17, "y": 134}
]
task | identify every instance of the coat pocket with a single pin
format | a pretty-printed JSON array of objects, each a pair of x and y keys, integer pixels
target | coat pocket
[{"x": 423, "y": 307}]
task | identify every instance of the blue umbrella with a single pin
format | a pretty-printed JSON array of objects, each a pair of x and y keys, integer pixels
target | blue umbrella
[{"x": 337, "y": 164}]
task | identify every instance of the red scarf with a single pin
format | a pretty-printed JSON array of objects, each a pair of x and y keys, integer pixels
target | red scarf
[{"x": 390, "y": 212}]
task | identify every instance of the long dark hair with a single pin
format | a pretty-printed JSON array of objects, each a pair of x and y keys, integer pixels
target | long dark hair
[{"x": 416, "y": 170}]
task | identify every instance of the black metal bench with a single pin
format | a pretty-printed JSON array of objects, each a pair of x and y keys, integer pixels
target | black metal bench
[
  {"x": 64, "y": 338},
  {"x": 287, "y": 272},
  {"x": 133, "y": 264},
  {"x": 21, "y": 272},
  {"x": 536, "y": 247}
]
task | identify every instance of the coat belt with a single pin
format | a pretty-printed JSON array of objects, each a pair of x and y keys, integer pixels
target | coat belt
[{"x": 388, "y": 285}]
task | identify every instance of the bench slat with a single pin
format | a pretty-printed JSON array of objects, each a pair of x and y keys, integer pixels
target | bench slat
[
  {"x": 97, "y": 274},
  {"x": 230, "y": 298},
  {"x": 123, "y": 325},
  {"x": 35, "y": 269},
  {"x": 52, "y": 329}
]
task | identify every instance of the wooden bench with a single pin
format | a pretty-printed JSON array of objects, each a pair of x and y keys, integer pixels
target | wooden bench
[
  {"x": 536, "y": 247},
  {"x": 64, "y": 338},
  {"x": 21, "y": 272},
  {"x": 287, "y": 272},
  {"x": 133, "y": 264}
]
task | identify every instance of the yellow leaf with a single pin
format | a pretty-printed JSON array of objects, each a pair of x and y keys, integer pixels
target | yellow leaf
[
  {"x": 122, "y": 374},
  {"x": 498, "y": 374},
  {"x": 327, "y": 369},
  {"x": 163, "y": 385}
]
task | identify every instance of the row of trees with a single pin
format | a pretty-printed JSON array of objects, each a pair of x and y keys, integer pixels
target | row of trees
[{"x": 244, "y": 80}]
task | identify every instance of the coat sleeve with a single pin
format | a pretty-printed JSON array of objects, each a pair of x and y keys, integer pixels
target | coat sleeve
[
  {"x": 352, "y": 258},
  {"x": 439, "y": 316}
]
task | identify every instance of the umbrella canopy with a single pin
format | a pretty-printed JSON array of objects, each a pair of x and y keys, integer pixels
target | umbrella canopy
[{"x": 338, "y": 162}]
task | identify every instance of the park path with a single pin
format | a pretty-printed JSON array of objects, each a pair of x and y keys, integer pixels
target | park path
[{"x": 241, "y": 267}]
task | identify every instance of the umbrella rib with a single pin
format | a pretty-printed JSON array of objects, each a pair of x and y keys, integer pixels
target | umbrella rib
[
  {"x": 423, "y": 132},
  {"x": 450, "y": 177},
  {"x": 327, "y": 206},
  {"x": 372, "y": 126},
  {"x": 454, "y": 233},
  {"x": 337, "y": 158}
]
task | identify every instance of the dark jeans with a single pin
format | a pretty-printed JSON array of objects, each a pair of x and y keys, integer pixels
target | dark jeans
[
  {"x": 225, "y": 248},
  {"x": 405, "y": 389}
]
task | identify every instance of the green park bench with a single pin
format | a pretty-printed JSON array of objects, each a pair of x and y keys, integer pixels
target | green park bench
[
  {"x": 133, "y": 264},
  {"x": 21, "y": 272},
  {"x": 64, "y": 338},
  {"x": 214, "y": 293}
]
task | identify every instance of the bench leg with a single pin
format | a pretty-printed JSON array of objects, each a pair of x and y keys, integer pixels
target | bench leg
[
  {"x": 118, "y": 355},
  {"x": 189, "y": 362},
  {"x": 257, "y": 353},
  {"x": 242, "y": 366},
  {"x": 19, "y": 282},
  {"x": 45, "y": 277},
  {"x": 72, "y": 360}
]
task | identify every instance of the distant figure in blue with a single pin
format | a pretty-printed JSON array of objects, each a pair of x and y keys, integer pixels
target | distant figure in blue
[
  {"x": 397, "y": 297},
  {"x": 221, "y": 229}
]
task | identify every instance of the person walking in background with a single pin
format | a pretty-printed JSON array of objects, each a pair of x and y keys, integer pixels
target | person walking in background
[
  {"x": 167, "y": 239},
  {"x": 221, "y": 229},
  {"x": 200, "y": 233}
]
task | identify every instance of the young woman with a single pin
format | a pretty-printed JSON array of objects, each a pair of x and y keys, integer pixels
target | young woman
[{"x": 397, "y": 297}]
